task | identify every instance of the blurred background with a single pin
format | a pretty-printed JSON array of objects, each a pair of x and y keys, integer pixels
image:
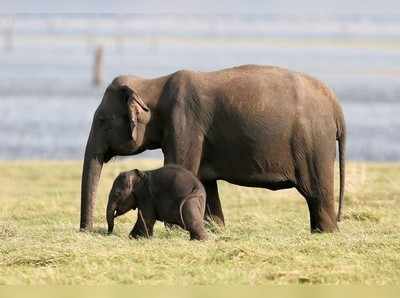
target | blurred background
[{"x": 50, "y": 85}]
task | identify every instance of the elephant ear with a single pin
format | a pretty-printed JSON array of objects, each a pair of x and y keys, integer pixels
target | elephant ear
[
  {"x": 127, "y": 180},
  {"x": 137, "y": 109},
  {"x": 141, "y": 190}
]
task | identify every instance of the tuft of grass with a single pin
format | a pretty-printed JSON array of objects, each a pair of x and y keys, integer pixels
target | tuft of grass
[
  {"x": 7, "y": 231},
  {"x": 362, "y": 216},
  {"x": 266, "y": 239}
]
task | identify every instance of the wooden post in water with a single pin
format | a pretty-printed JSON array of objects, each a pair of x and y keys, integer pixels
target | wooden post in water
[
  {"x": 98, "y": 66},
  {"x": 8, "y": 35},
  {"x": 8, "y": 40}
]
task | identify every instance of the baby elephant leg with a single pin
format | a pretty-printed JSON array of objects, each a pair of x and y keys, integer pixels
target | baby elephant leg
[
  {"x": 143, "y": 227},
  {"x": 193, "y": 214}
]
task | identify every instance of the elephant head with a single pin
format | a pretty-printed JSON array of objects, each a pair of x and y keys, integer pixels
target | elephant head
[
  {"x": 121, "y": 198},
  {"x": 121, "y": 126}
]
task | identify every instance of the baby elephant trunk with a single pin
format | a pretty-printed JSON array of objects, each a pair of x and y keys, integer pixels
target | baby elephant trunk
[{"x": 111, "y": 206}]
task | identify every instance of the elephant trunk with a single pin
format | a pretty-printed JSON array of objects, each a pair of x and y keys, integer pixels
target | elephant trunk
[
  {"x": 92, "y": 166},
  {"x": 111, "y": 206}
]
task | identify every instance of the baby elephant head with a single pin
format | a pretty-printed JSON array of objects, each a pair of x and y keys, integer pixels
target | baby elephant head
[{"x": 121, "y": 198}]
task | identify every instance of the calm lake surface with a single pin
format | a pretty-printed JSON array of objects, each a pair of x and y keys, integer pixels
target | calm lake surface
[{"x": 47, "y": 98}]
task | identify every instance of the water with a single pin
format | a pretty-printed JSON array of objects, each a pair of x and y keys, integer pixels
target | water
[{"x": 47, "y": 99}]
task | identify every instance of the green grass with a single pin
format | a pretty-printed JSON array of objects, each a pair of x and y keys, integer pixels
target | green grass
[{"x": 266, "y": 239}]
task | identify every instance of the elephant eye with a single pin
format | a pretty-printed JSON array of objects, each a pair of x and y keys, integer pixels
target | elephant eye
[{"x": 101, "y": 120}]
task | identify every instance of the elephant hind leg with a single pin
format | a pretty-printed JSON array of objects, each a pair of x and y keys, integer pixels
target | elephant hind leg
[
  {"x": 322, "y": 214},
  {"x": 213, "y": 203},
  {"x": 192, "y": 215},
  {"x": 315, "y": 183},
  {"x": 197, "y": 231}
]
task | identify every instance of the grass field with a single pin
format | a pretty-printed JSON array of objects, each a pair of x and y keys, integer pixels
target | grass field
[{"x": 266, "y": 239}]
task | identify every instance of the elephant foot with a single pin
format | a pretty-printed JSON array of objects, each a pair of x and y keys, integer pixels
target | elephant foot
[
  {"x": 213, "y": 213},
  {"x": 133, "y": 236},
  {"x": 325, "y": 228},
  {"x": 197, "y": 232},
  {"x": 200, "y": 237},
  {"x": 137, "y": 236},
  {"x": 137, "y": 233},
  {"x": 323, "y": 222},
  {"x": 86, "y": 226}
]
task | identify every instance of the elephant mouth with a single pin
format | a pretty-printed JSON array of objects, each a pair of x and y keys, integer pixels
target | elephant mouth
[
  {"x": 130, "y": 151},
  {"x": 117, "y": 213},
  {"x": 107, "y": 156},
  {"x": 126, "y": 148},
  {"x": 123, "y": 151}
]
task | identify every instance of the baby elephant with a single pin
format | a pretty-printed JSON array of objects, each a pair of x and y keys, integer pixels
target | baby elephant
[{"x": 170, "y": 194}]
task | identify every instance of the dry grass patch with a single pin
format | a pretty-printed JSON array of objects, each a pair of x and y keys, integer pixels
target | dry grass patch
[{"x": 266, "y": 240}]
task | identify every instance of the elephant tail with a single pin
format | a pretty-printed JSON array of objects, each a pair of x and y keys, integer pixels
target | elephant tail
[
  {"x": 341, "y": 137},
  {"x": 180, "y": 212}
]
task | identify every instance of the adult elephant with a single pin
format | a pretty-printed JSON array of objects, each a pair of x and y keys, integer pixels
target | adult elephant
[{"x": 258, "y": 126}]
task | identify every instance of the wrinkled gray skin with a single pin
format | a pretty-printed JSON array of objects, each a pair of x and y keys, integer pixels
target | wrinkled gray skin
[
  {"x": 250, "y": 125},
  {"x": 170, "y": 194}
]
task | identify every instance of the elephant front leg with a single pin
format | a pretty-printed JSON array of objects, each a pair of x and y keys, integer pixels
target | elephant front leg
[
  {"x": 183, "y": 143},
  {"x": 143, "y": 226},
  {"x": 213, "y": 203},
  {"x": 186, "y": 154},
  {"x": 184, "y": 147}
]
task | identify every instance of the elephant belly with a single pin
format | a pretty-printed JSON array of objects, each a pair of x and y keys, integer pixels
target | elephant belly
[
  {"x": 167, "y": 209},
  {"x": 263, "y": 166}
]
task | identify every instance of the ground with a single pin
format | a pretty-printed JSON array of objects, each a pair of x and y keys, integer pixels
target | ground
[{"x": 266, "y": 239}]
